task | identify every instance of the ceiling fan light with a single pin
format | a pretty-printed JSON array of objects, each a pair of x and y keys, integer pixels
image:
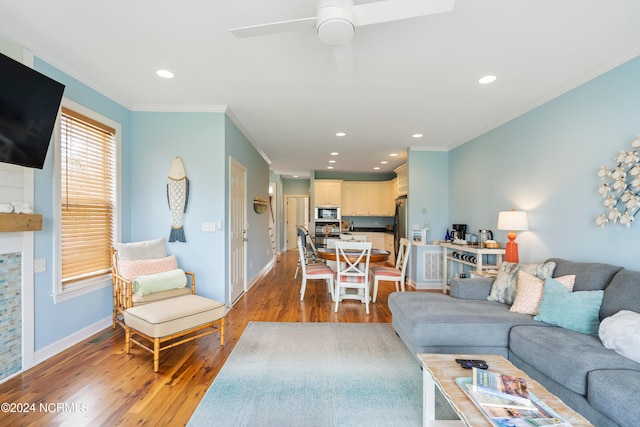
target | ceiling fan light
[
  {"x": 336, "y": 31},
  {"x": 335, "y": 24}
]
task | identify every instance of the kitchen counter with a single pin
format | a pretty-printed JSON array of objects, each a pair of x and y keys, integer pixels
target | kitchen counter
[{"x": 367, "y": 230}]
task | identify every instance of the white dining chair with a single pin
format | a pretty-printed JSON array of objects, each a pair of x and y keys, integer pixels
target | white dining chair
[
  {"x": 391, "y": 274},
  {"x": 352, "y": 272},
  {"x": 314, "y": 272},
  {"x": 310, "y": 250}
]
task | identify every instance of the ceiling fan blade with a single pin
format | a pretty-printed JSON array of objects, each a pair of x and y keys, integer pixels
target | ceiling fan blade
[
  {"x": 344, "y": 58},
  {"x": 275, "y": 27},
  {"x": 394, "y": 10}
]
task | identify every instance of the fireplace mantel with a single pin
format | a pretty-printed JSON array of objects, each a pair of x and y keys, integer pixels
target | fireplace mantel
[{"x": 10, "y": 222}]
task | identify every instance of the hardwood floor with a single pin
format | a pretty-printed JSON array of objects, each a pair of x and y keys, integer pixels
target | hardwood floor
[{"x": 95, "y": 383}]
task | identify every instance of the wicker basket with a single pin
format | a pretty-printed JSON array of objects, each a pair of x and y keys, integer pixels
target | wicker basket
[{"x": 492, "y": 245}]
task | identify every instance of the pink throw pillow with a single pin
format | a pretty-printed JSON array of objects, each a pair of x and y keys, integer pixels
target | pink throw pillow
[{"x": 132, "y": 269}]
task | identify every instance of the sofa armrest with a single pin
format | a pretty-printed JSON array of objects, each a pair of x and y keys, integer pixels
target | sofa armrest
[{"x": 476, "y": 288}]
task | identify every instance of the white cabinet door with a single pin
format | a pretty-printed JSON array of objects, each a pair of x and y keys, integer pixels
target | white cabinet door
[{"x": 327, "y": 192}]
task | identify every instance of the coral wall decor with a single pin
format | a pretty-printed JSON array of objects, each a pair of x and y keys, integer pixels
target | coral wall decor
[{"x": 621, "y": 187}]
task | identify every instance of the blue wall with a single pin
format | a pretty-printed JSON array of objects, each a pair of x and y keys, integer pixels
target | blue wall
[
  {"x": 545, "y": 162},
  {"x": 197, "y": 138},
  {"x": 54, "y": 322},
  {"x": 429, "y": 191},
  {"x": 259, "y": 251}
]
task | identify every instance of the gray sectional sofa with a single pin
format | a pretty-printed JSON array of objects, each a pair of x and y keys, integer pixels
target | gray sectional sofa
[{"x": 597, "y": 382}]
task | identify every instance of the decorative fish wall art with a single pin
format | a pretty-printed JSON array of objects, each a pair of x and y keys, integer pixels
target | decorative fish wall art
[{"x": 178, "y": 197}]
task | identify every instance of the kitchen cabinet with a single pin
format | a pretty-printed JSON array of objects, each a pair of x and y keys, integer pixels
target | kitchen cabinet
[
  {"x": 367, "y": 198},
  {"x": 327, "y": 192},
  {"x": 354, "y": 198},
  {"x": 403, "y": 179}
]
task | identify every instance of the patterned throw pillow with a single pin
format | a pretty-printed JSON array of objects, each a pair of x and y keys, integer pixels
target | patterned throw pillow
[
  {"x": 529, "y": 292},
  {"x": 132, "y": 269},
  {"x": 504, "y": 287}
]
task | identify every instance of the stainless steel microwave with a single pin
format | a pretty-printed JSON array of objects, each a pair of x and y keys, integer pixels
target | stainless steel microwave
[{"x": 327, "y": 213}]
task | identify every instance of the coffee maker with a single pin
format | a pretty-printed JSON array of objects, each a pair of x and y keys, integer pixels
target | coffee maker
[{"x": 458, "y": 231}]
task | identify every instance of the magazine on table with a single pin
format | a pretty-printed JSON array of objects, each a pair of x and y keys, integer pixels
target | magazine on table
[
  {"x": 512, "y": 414},
  {"x": 502, "y": 386}
]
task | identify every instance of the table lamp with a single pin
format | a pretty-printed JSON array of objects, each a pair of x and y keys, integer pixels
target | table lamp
[{"x": 513, "y": 221}]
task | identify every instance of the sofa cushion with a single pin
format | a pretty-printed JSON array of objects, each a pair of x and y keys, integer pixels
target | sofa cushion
[
  {"x": 614, "y": 393},
  {"x": 621, "y": 333},
  {"x": 438, "y": 320},
  {"x": 565, "y": 356},
  {"x": 590, "y": 276},
  {"x": 577, "y": 311},
  {"x": 504, "y": 287},
  {"x": 622, "y": 294}
]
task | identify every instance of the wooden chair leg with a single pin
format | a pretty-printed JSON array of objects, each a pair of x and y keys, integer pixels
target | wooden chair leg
[
  {"x": 156, "y": 354},
  {"x": 127, "y": 340},
  {"x": 222, "y": 331}
]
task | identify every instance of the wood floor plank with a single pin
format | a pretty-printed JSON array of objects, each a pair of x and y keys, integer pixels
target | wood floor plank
[{"x": 97, "y": 383}]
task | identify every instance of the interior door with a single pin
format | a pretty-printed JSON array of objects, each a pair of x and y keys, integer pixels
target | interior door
[
  {"x": 238, "y": 230},
  {"x": 297, "y": 213}
]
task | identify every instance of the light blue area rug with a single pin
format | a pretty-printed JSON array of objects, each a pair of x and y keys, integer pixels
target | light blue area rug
[{"x": 315, "y": 374}]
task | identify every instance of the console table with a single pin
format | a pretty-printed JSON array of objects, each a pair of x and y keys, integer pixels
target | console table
[{"x": 478, "y": 252}]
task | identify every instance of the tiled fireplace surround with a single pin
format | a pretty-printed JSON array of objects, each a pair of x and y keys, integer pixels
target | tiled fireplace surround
[{"x": 10, "y": 314}]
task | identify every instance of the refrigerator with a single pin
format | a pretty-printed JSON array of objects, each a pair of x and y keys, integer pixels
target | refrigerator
[{"x": 400, "y": 222}]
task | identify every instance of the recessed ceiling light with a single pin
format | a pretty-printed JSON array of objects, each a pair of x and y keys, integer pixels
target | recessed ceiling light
[
  {"x": 376, "y": 168},
  {"x": 165, "y": 74},
  {"x": 334, "y": 153},
  {"x": 487, "y": 79},
  {"x": 332, "y": 161},
  {"x": 417, "y": 135},
  {"x": 329, "y": 167},
  {"x": 295, "y": 176},
  {"x": 393, "y": 155},
  {"x": 340, "y": 134},
  {"x": 384, "y": 162}
]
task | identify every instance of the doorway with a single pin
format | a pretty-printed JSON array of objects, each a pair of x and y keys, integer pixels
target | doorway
[
  {"x": 238, "y": 230},
  {"x": 296, "y": 213}
]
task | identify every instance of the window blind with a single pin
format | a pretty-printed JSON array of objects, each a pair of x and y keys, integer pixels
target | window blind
[{"x": 87, "y": 156}]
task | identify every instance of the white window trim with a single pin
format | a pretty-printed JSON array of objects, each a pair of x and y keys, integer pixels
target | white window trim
[{"x": 95, "y": 283}]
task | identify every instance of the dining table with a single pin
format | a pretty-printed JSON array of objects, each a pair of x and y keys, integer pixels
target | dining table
[{"x": 377, "y": 255}]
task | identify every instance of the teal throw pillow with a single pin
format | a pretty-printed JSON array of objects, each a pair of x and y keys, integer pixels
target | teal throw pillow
[{"x": 577, "y": 311}]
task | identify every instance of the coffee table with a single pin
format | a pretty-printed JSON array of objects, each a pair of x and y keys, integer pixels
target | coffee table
[{"x": 441, "y": 371}]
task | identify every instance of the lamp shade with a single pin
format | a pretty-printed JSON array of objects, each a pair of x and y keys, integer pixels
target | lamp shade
[{"x": 513, "y": 220}]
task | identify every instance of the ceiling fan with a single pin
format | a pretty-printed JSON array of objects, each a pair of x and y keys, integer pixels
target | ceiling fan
[{"x": 337, "y": 20}]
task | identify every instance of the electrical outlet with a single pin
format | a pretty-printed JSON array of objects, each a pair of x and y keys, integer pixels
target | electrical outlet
[
  {"x": 209, "y": 227},
  {"x": 39, "y": 265}
]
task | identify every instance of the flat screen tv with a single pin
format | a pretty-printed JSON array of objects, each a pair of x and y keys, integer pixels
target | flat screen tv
[{"x": 29, "y": 103}]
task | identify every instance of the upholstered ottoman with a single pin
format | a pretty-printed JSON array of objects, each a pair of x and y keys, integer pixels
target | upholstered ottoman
[{"x": 183, "y": 319}]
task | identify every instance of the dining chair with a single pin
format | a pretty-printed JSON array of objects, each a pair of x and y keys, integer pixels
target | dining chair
[
  {"x": 314, "y": 272},
  {"x": 391, "y": 274},
  {"x": 352, "y": 272},
  {"x": 310, "y": 250}
]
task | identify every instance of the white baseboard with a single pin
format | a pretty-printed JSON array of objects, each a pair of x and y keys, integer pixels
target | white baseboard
[
  {"x": 71, "y": 340},
  {"x": 262, "y": 272},
  {"x": 424, "y": 286}
]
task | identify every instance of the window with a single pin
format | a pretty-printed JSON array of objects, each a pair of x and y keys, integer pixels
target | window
[{"x": 87, "y": 152}]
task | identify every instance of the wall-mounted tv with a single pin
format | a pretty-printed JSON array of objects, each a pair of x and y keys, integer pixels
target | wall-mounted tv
[{"x": 29, "y": 103}]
